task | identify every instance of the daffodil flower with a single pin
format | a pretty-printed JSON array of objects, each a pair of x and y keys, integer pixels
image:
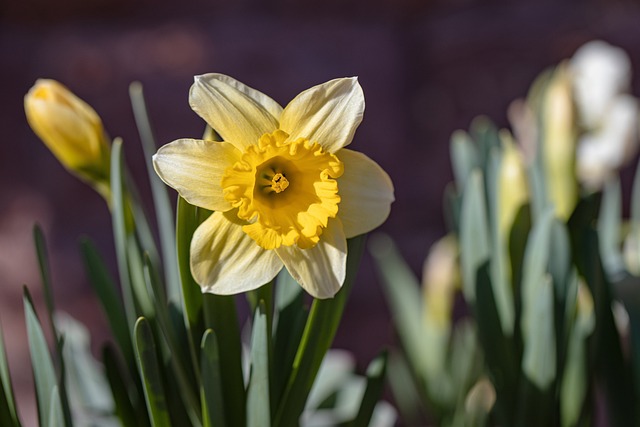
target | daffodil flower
[{"x": 284, "y": 190}]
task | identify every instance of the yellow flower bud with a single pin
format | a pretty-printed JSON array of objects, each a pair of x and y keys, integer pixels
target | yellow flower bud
[
  {"x": 71, "y": 129},
  {"x": 441, "y": 278},
  {"x": 513, "y": 188},
  {"x": 559, "y": 142}
]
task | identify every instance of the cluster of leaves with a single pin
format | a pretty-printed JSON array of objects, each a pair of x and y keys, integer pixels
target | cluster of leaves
[
  {"x": 178, "y": 354},
  {"x": 542, "y": 301}
]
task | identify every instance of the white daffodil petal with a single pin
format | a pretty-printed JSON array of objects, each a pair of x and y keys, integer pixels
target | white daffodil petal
[
  {"x": 225, "y": 261},
  {"x": 195, "y": 168},
  {"x": 328, "y": 113},
  {"x": 232, "y": 109},
  {"x": 321, "y": 269},
  {"x": 366, "y": 193},
  {"x": 269, "y": 104}
]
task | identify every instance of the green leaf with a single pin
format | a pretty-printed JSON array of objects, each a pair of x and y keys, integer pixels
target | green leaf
[
  {"x": 221, "y": 316},
  {"x": 402, "y": 290},
  {"x": 403, "y": 386},
  {"x": 45, "y": 275},
  {"x": 502, "y": 287},
  {"x": 121, "y": 216},
  {"x": 375, "y": 385},
  {"x": 606, "y": 344},
  {"x": 499, "y": 350},
  {"x": 609, "y": 224},
  {"x": 539, "y": 358},
  {"x": 258, "y": 402},
  {"x": 8, "y": 411},
  {"x": 141, "y": 293},
  {"x": 464, "y": 157},
  {"x": 120, "y": 390},
  {"x": 474, "y": 238},
  {"x": 146, "y": 356},
  {"x": 56, "y": 418},
  {"x": 320, "y": 329},
  {"x": 43, "y": 372},
  {"x": 290, "y": 318},
  {"x": 105, "y": 289},
  {"x": 178, "y": 355},
  {"x": 211, "y": 391},
  {"x": 186, "y": 223},
  {"x": 163, "y": 208}
]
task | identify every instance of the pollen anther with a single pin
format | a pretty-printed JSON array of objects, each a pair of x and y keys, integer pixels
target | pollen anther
[{"x": 279, "y": 183}]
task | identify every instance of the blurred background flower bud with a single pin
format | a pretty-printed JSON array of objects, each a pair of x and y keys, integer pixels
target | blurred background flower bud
[
  {"x": 71, "y": 129},
  {"x": 441, "y": 279},
  {"x": 513, "y": 186},
  {"x": 559, "y": 142}
]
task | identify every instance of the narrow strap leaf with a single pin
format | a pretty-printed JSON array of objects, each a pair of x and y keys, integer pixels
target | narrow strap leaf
[
  {"x": 375, "y": 385},
  {"x": 161, "y": 201},
  {"x": 125, "y": 410},
  {"x": 221, "y": 316},
  {"x": 120, "y": 219},
  {"x": 211, "y": 390},
  {"x": 56, "y": 418},
  {"x": 151, "y": 375},
  {"x": 318, "y": 335},
  {"x": 290, "y": 317},
  {"x": 43, "y": 372},
  {"x": 105, "y": 289},
  {"x": 8, "y": 411},
  {"x": 258, "y": 402}
]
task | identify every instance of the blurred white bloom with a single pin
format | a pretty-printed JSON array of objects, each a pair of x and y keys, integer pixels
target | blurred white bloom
[
  {"x": 601, "y": 72},
  {"x": 608, "y": 115},
  {"x": 604, "y": 150}
]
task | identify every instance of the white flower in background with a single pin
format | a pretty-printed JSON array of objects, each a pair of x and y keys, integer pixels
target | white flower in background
[{"x": 607, "y": 114}]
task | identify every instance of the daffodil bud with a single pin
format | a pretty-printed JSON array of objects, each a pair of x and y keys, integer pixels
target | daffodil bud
[
  {"x": 513, "y": 188},
  {"x": 559, "y": 142},
  {"x": 441, "y": 278},
  {"x": 71, "y": 129}
]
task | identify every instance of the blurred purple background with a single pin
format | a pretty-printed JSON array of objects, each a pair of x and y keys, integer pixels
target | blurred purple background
[{"x": 427, "y": 68}]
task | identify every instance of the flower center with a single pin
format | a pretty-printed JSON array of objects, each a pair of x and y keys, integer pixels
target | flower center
[
  {"x": 279, "y": 183},
  {"x": 285, "y": 190}
]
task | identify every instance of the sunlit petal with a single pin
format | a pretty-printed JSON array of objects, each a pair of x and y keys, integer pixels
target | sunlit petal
[
  {"x": 195, "y": 168},
  {"x": 327, "y": 114},
  {"x": 235, "y": 111},
  {"x": 225, "y": 261},
  {"x": 320, "y": 270},
  {"x": 366, "y": 193}
]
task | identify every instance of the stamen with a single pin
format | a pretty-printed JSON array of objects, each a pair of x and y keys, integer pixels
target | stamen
[{"x": 279, "y": 183}]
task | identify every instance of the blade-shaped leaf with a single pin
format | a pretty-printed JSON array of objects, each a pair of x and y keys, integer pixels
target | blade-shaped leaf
[
  {"x": 464, "y": 157},
  {"x": 402, "y": 290},
  {"x": 258, "y": 402},
  {"x": 221, "y": 316},
  {"x": 609, "y": 224},
  {"x": 105, "y": 289},
  {"x": 375, "y": 385},
  {"x": 121, "y": 217},
  {"x": 211, "y": 391},
  {"x": 320, "y": 329},
  {"x": 43, "y": 372},
  {"x": 290, "y": 317},
  {"x": 8, "y": 411},
  {"x": 163, "y": 208},
  {"x": 474, "y": 238},
  {"x": 124, "y": 408},
  {"x": 147, "y": 359},
  {"x": 56, "y": 418}
]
